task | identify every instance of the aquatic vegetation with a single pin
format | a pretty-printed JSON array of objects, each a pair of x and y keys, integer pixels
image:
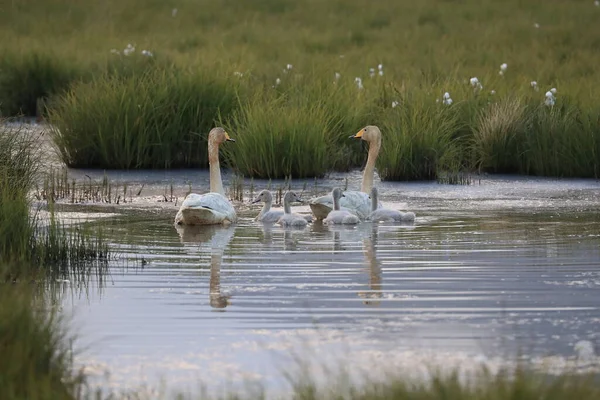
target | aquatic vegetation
[
  {"x": 27, "y": 80},
  {"x": 157, "y": 119},
  {"x": 28, "y": 244},
  {"x": 418, "y": 139},
  {"x": 36, "y": 360}
]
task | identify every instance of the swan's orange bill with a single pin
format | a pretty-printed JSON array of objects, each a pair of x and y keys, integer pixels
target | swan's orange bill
[{"x": 359, "y": 134}]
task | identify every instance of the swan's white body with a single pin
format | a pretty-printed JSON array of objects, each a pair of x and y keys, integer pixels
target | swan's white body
[
  {"x": 383, "y": 214},
  {"x": 338, "y": 216},
  {"x": 205, "y": 209},
  {"x": 210, "y": 208},
  {"x": 288, "y": 218},
  {"x": 355, "y": 202}
]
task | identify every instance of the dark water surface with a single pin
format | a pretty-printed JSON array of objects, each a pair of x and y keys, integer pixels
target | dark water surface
[{"x": 488, "y": 270}]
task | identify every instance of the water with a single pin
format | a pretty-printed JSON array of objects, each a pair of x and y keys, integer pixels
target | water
[{"x": 505, "y": 266}]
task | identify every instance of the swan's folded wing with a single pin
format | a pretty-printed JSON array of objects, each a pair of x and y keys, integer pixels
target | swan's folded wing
[{"x": 215, "y": 202}]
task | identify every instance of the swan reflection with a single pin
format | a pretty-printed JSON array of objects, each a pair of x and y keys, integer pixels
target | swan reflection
[
  {"x": 216, "y": 238},
  {"x": 373, "y": 267}
]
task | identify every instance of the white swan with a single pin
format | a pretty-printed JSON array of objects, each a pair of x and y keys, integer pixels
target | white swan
[
  {"x": 338, "y": 216},
  {"x": 387, "y": 214},
  {"x": 210, "y": 208},
  {"x": 266, "y": 214},
  {"x": 354, "y": 201},
  {"x": 288, "y": 218}
]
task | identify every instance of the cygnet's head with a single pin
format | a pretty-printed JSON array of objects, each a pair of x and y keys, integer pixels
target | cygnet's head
[
  {"x": 337, "y": 193},
  {"x": 291, "y": 197},
  {"x": 218, "y": 135},
  {"x": 369, "y": 133},
  {"x": 264, "y": 196}
]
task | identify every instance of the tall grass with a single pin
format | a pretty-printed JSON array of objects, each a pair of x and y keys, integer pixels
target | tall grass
[
  {"x": 418, "y": 139},
  {"x": 29, "y": 245},
  {"x": 299, "y": 130},
  {"x": 27, "y": 80},
  {"x": 36, "y": 360},
  {"x": 136, "y": 111},
  {"x": 156, "y": 119}
]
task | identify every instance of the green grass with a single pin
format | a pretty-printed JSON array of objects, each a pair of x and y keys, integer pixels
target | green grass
[
  {"x": 136, "y": 111},
  {"x": 36, "y": 360},
  {"x": 27, "y": 80},
  {"x": 29, "y": 246},
  {"x": 158, "y": 118},
  {"x": 299, "y": 129}
]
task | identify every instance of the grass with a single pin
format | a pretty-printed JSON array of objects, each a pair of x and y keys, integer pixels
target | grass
[
  {"x": 36, "y": 360},
  {"x": 133, "y": 111},
  {"x": 29, "y": 246},
  {"x": 155, "y": 119}
]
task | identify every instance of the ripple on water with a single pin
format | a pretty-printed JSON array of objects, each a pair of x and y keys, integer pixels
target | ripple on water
[{"x": 483, "y": 273}]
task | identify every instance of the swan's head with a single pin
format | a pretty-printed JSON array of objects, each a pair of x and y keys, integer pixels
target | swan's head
[
  {"x": 264, "y": 196},
  {"x": 337, "y": 193},
  {"x": 369, "y": 133},
  {"x": 218, "y": 135},
  {"x": 291, "y": 197}
]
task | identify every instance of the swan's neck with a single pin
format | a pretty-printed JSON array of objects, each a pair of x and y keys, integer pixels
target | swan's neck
[
  {"x": 369, "y": 172},
  {"x": 215, "y": 273},
  {"x": 336, "y": 203},
  {"x": 265, "y": 209},
  {"x": 287, "y": 208},
  {"x": 373, "y": 201},
  {"x": 216, "y": 185}
]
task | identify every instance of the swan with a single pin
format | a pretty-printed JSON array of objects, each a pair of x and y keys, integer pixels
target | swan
[
  {"x": 338, "y": 216},
  {"x": 210, "y": 208},
  {"x": 354, "y": 201},
  {"x": 387, "y": 214},
  {"x": 266, "y": 214},
  {"x": 288, "y": 218}
]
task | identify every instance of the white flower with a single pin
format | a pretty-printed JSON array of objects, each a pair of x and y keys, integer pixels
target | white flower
[
  {"x": 114, "y": 51},
  {"x": 553, "y": 90},
  {"x": 147, "y": 53},
  {"x": 536, "y": 25},
  {"x": 446, "y": 95},
  {"x": 503, "y": 67},
  {"x": 476, "y": 84},
  {"x": 447, "y": 101},
  {"x": 337, "y": 76},
  {"x": 550, "y": 99},
  {"x": 395, "y": 104},
  {"x": 129, "y": 49},
  {"x": 500, "y": 72},
  {"x": 380, "y": 68},
  {"x": 174, "y": 13},
  {"x": 277, "y": 82},
  {"x": 289, "y": 66},
  {"x": 533, "y": 84},
  {"x": 371, "y": 72},
  {"x": 597, "y": 3},
  {"x": 238, "y": 74},
  {"x": 358, "y": 82},
  {"x": 493, "y": 92}
]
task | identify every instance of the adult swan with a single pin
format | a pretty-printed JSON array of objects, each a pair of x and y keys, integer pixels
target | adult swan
[
  {"x": 354, "y": 201},
  {"x": 210, "y": 208}
]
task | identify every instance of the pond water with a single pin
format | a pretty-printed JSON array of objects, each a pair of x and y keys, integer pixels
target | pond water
[{"x": 502, "y": 267}]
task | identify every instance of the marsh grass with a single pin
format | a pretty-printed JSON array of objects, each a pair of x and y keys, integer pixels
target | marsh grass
[
  {"x": 156, "y": 119},
  {"x": 418, "y": 139},
  {"x": 300, "y": 129},
  {"x": 136, "y": 111},
  {"x": 27, "y": 80},
  {"x": 28, "y": 245},
  {"x": 36, "y": 360}
]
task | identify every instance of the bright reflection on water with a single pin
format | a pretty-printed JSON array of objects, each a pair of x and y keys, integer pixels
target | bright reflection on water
[{"x": 470, "y": 281}]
